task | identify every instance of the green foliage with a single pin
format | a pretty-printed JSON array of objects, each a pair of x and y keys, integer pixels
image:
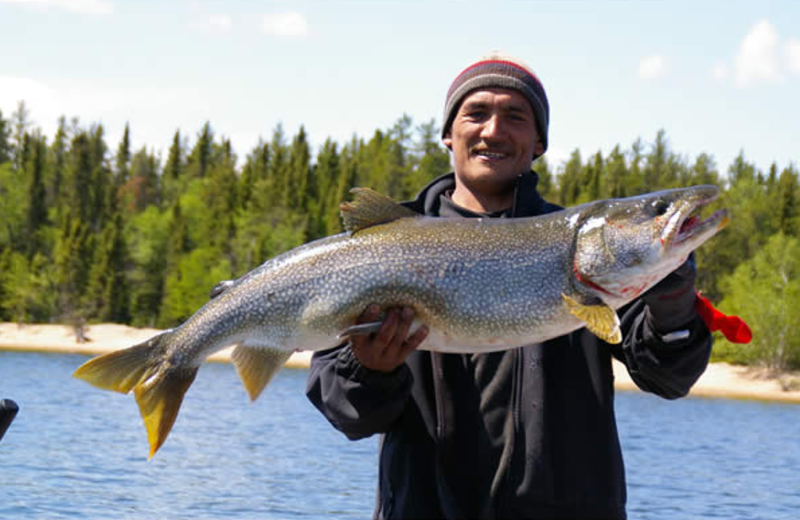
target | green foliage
[
  {"x": 765, "y": 292},
  {"x": 188, "y": 286},
  {"x": 5, "y": 145},
  {"x": 12, "y": 209}
]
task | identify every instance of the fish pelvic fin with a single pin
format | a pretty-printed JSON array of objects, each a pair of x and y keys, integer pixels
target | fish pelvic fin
[
  {"x": 600, "y": 319},
  {"x": 257, "y": 366},
  {"x": 370, "y": 208},
  {"x": 158, "y": 387}
]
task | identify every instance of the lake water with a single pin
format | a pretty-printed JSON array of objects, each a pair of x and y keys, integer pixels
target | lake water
[{"x": 78, "y": 452}]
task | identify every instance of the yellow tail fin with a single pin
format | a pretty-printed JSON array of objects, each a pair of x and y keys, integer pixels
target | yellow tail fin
[{"x": 158, "y": 387}]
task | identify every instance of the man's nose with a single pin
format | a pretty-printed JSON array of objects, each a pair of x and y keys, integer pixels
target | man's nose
[{"x": 492, "y": 127}]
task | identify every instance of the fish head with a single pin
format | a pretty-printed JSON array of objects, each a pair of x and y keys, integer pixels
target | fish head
[{"x": 625, "y": 246}]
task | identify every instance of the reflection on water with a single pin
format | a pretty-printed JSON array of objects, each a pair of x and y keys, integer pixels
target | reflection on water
[{"x": 77, "y": 452}]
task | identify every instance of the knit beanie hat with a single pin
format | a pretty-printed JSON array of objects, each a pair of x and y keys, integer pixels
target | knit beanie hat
[{"x": 499, "y": 71}]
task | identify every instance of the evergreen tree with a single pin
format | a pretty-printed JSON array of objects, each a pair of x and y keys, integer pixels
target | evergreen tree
[
  {"x": 173, "y": 171},
  {"x": 200, "y": 159},
  {"x": 57, "y": 174},
  {"x": 278, "y": 171},
  {"x": 569, "y": 188},
  {"x": 326, "y": 173},
  {"x": 704, "y": 171},
  {"x": 657, "y": 172},
  {"x": 107, "y": 295},
  {"x": 72, "y": 259},
  {"x": 788, "y": 210},
  {"x": 123, "y": 158},
  {"x": 254, "y": 172},
  {"x": 102, "y": 187},
  {"x": 5, "y": 146},
  {"x": 79, "y": 177},
  {"x": 299, "y": 187},
  {"x": 20, "y": 125},
  {"x": 617, "y": 175},
  {"x": 545, "y": 185},
  {"x": 740, "y": 170},
  {"x": 37, "y": 204}
]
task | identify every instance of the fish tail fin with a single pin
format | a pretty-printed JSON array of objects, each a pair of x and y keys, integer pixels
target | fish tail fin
[
  {"x": 257, "y": 366},
  {"x": 159, "y": 398},
  {"x": 159, "y": 388}
]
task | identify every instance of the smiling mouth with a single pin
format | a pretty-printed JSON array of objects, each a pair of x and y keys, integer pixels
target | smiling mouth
[{"x": 491, "y": 154}]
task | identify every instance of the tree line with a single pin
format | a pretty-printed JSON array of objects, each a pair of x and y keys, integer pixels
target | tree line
[{"x": 92, "y": 234}]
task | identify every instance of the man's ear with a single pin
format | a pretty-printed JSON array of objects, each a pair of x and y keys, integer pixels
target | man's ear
[
  {"x": 538, "y": 148},
  {"x": 448, "y": 141}
]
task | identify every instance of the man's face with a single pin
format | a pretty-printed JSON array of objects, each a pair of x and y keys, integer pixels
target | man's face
[{"x": 493, "y": 139}]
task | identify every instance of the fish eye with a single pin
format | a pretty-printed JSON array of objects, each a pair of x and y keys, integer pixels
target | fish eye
[{"x": 660, "y": 207}]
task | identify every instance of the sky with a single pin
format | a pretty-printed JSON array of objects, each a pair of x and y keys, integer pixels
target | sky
[{"x": 719, "y": 77}]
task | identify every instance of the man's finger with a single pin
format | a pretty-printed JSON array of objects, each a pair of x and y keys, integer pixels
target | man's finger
[
  {"x": 387, "y": 331},
  {"x": 405, "y": 319}
]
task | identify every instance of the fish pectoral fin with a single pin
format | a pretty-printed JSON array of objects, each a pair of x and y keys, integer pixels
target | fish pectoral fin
[
  {"x": 370, "y": 208},
  {"x": 257, "y": 366},
  {"x": 600, "y": 319},
  {"x": 362, "y": 329},
  {"x": 159, "y": 398}
]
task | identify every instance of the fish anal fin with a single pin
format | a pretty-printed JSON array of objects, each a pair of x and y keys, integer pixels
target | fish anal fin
[
  {"x": 159, "y": 398},
  {"x": 257, "y": 366},
  {"x": 600, "y": 319},
  {"x": 370, "y": 208}
]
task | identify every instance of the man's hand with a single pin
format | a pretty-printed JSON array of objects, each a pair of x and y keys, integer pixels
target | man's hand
[
  {"x": 671, "y": 301},
  {"x": 388, "y": 348}
]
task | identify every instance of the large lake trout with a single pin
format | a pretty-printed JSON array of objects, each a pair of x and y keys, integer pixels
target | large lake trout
[{"x": 480, "y": 285}]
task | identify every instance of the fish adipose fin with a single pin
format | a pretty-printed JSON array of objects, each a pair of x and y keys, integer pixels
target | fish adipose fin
[
  {"x": 370, "y": 208},
  {"x": 257, "y": 366},
  {"x": 143, "y": 368},
  {"x": 601, "y": 320}
]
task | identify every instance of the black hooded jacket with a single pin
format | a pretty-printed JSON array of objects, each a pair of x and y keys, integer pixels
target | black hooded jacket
[{"x": 523, "y": 433}]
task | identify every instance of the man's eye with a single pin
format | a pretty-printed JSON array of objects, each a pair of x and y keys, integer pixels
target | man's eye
[{"x": 476, "y": 114}]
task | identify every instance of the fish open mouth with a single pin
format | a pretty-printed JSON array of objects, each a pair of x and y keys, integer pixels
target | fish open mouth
[{"x": 685, "y": 226}]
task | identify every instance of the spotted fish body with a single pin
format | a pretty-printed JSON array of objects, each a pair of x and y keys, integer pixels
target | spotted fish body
[{"x": 479, "y": 285}]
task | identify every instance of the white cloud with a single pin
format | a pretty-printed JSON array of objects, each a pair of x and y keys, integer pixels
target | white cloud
[
  {"x": 720, "y": 72},
  {"x": 757, "y": 60},
  {"x": 285, "y": 24},
  {"x": 792, "y": 51},
  {"x": 95, "y": 7},
  {"x": 653, "y": 67}
]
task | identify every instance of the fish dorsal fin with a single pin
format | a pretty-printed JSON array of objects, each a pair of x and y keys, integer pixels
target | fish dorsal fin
[
  {"x": 256, "y": 367},
  {"x": 370, "y": 208},
  {"x": 601, "y": 320}
]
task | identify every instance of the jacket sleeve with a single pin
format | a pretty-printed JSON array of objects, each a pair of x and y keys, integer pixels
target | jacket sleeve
[
  {"x": 666, "y": 345},
  {"x": 357, "y": 401}
]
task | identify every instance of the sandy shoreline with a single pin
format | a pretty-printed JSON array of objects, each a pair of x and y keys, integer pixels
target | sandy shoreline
[{"x": 719, "y": 380}]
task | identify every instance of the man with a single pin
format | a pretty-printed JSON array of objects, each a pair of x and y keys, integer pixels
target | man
[{"x": 523, "y": 433}]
